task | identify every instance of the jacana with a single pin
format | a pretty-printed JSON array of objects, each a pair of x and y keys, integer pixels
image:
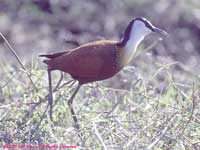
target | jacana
[{"x": 99, "y": 60}]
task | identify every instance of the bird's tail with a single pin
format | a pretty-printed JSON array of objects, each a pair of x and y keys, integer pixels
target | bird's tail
[
  {"x": 49, "y": 63},
  {"x": 46, "y": 61},
  {"x": 54, "y": 55},
  {"x": 50, "y": 58},
  {"x": 45, "y": 55}
]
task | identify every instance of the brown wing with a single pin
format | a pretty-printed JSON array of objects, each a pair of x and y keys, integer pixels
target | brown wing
[{"x": 94, "y": 60}]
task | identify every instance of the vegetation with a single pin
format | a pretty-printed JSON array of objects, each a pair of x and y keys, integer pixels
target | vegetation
[{"x": 152, "y": 104}]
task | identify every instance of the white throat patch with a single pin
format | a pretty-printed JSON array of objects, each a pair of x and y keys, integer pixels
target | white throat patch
[{"x": 138, "y": 32}]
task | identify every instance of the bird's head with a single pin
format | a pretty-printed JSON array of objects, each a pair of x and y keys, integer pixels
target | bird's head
[{"x": 137, "y": 29}]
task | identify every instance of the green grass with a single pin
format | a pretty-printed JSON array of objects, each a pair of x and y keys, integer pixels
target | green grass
[{"x": 136, "y": 117}]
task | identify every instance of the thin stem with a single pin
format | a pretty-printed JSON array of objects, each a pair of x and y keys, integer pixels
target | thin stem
[
  {"x": 99, "y": 137},
  {"x": 59, "y": 81},
  {"x": 18, "y": 59}
]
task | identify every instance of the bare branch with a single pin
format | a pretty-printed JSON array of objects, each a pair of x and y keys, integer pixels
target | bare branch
[
  {"x": 99, "y": 136},
  {"x": 18, "y": 59}
]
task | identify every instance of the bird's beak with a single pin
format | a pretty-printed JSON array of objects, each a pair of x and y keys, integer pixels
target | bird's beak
[{"x": 160, "y": 31}]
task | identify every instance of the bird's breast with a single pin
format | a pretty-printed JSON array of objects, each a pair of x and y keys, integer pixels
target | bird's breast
[{"x": 124, "y": 56}]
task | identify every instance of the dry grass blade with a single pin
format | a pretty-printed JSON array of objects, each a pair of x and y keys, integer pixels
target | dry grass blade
[
  {"x": 190, "y": 119},
  {"x": 99, "y": 136},
  {"x": 192, "y": 112},
  {"x": 18, "y": 58}
]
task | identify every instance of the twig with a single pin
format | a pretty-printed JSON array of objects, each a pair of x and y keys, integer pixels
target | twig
[
  {"x": 18, "y": 59},
  {"x": 59, "y": 81},
  {"x": 190, "y": 118},
  {"x": 99, "y": 136},
  {"x": 66, "y": 83}
]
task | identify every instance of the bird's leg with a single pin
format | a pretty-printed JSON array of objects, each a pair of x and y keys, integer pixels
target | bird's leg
[
  {"x": 70, "y": 105},
  {"x": 50, "y": 99}
]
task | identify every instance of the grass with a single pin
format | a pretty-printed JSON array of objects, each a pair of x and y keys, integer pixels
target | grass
[{"x": 147, "y": 111}]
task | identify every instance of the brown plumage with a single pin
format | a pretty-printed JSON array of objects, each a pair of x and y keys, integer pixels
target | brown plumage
[{"x": 90, "y": 62}]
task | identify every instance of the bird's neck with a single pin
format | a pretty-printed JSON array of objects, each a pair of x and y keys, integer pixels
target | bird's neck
[{"x": 129, "y": 49}]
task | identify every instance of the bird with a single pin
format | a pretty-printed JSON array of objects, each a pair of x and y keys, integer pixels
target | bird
[{"x": 99, "y": 60}]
